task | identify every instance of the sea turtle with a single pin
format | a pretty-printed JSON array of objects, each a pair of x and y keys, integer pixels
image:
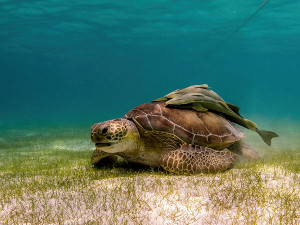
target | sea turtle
[{"x": 183, "y": 141}]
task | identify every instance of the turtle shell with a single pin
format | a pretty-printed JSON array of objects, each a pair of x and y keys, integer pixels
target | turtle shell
[{"x": 193, "y": 127}]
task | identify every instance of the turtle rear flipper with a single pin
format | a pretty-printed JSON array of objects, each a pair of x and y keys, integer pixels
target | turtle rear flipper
[
  {"x": 192, "y": 159},
  {"x": 245, "y": 151}
]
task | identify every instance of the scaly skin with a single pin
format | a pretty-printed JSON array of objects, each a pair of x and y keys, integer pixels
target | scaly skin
[{"x": 191, "y": 159}]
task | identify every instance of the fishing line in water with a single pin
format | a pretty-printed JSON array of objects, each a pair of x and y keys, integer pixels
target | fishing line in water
[{"x": 236, "y": 30}]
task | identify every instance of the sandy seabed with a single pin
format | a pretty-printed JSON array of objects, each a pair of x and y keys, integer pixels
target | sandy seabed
[{"x": 47, "y": 179}]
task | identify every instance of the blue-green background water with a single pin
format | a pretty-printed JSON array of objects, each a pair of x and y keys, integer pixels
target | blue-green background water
[{"x": 88, "y": 61}]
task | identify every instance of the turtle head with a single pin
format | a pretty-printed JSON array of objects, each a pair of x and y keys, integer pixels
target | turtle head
[{"x": 114, "y": 136}]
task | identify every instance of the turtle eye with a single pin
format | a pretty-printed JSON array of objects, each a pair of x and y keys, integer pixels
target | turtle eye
[{"x": 104, "y": 130}]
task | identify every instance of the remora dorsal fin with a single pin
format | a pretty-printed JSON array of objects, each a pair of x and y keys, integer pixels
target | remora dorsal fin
[
  {"x": 224, "y": 105},
  {"x": 160, "y": 99},
  {"x": 234, "y": 108},
  {"x": 205, "y": 86},
  {"x": 199, "y": 107}
]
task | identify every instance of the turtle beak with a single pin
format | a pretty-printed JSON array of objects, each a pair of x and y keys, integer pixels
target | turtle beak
[
  {"x": 98, "y": 132},
  {"x": 102, "y": 144},
  {"x": 99, "y": 140}
]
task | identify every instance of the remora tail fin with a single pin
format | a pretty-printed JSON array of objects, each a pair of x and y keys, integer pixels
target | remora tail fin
[{"x": 266, "y": 135}]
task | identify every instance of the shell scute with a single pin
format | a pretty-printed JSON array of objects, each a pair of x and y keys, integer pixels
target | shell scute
[
  {"x": 184, "y": 134},
  {"x": 161, "y": 124}
]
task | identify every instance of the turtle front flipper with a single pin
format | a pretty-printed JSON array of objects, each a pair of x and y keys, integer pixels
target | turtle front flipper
[
  {"x": 192, "y": 159},
  {"x": 101, "y": 158}
]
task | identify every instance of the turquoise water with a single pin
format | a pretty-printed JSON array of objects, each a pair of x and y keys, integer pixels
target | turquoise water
[{"x": 81, "y": 62}]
